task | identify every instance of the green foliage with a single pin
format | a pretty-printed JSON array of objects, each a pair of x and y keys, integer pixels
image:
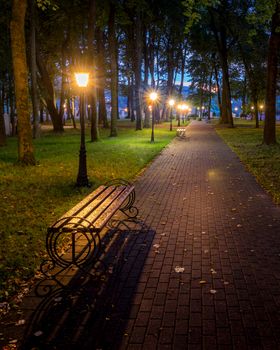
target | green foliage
[
  {"x": 34, "y": 197},
  {"x": 261, "y": 160},
  {"x": 193, "y": 10},
  {"x": 45, "y": 4}
]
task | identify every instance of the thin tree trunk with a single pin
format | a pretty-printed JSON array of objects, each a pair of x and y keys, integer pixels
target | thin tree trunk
[
  {"x": 33, "y": 69},
  {"x": 146, "y": 77},
  {"x": 183, "y": 64},
  {"x": 269, "y": 135},
  {"x": 210, "y": 95},
  {"x": 3, "y": 141},
  {"x": 94, "y": 132},
  {"x": 25, "y": 146},
  {"x": 137, "y": 70},
  {"x": 114, "y": 70},
  {"x": 49, "y": 94},
  {"x": 102, "y": 113}
]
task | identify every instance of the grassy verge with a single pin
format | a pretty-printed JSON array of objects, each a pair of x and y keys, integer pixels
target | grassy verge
[
  {"x": 34, "y": 197},
  {"x": 261, "y": 160}
]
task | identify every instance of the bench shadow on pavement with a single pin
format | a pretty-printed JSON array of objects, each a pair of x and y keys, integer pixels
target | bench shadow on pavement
[{"x": 93, "y": 312}]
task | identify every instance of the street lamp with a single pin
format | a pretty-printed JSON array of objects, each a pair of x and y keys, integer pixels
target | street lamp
[
  {"x": 261, "y": 108},
  {"x": 179, "y": 107},
  {"x": 153, "y": 97},
  {"x": 82, "y": 178},
  {"x": 171, "y": 103}
]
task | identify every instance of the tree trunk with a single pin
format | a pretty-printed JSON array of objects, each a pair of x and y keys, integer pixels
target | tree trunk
[
  {"x": 226, "y": 117},
  {"x": 25, "y": 146},
  {"x": 210, "y": 95},
  {"x": 146, "y": 78},
  {"x": 102, "y": 113},
  {"x": 183, "y": 64},
  {"x": 48, "y": 92},
  {"x": 33, "y": 70},
  {"x": 2, "y": 124},
  {"x": 218, "y": 89},
  {"x": 94, "y": 133},
  {"x": 269, "y": 135},
  {"x": 70, "y": 107},
  {"x": 114, "y": 70},
  {"x": 221, "y": 41},
  {"x": 137, "y": 70}
]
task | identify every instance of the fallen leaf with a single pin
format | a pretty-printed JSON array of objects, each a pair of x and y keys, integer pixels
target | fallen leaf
[
  {"x": 179, "y": 269},
  {"x": 156, "y": 246},
  {"x": 213, "y": 291},
  {"x": 20, "y": 322},
  {"x": 38, "y": 333},
  {"x": 202, "y": 282},
  {"x": 213, "y": 271}
]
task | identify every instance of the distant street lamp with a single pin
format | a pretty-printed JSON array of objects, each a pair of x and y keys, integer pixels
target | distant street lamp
[
  {"x": 179, "y": 107},
  {"x": 153, "y": 97},
  {"x": 82, "y": 178},
  {"x": 202, "y": 111},
  {"x": 261, "y": 108},
  {"x": 171, "y": 103}
]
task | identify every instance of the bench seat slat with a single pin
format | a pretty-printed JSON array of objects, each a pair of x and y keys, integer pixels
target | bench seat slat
[
  {"x": 78, "y": 207},
  {"x": 96, "y": 208},
  {"x": 111, "y": 210},
  {"x": 96, "y": 196}
]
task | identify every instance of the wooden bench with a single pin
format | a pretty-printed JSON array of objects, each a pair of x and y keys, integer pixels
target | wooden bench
[
  {"x": 181, "y": 132},
  {"x": 75, "y": 240}
]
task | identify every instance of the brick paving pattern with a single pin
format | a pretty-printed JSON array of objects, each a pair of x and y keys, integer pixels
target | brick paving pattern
[
  {"x": 206, "y": 275},
  {"x": 212, "y": 220}
]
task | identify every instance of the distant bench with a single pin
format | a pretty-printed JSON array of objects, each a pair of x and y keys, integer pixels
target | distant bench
[
  {"x": 79, "y": 230},
  {"x": 181, "y": 132}
]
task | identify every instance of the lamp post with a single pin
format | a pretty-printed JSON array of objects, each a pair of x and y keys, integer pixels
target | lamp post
[
  {"x": 184, "y": 109},
  {"x": 171, "y": 103},
  {"x": 82, "y": 178},
  {"x": 179, "y": 107},
  {"x": 153, "y": 97},
  {"x": 261, "y": 108},
  {"x": 202, "y": 111}
]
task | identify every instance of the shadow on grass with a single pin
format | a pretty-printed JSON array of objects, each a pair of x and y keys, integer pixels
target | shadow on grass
[{"x": 92, "y": 314}]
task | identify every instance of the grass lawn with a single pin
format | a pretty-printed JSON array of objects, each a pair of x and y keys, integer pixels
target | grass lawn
[
  {"x": 261, "y": 160},
  {"x": 34, "y": 197}
]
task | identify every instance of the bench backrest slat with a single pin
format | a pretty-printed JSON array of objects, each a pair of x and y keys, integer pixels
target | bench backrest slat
[
  {"x": 112, "y": 208},
  {"x": 99, "y": 205}
]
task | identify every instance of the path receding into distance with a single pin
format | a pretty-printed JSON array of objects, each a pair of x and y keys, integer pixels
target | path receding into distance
[
  {"x": 211, "y": 276},
  {"x": 204, "y": 275}
]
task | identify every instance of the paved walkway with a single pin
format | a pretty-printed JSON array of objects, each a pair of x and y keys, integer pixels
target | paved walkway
[
  {"x": 213, "y": 222},
  {"x": 207, "y": 273}
]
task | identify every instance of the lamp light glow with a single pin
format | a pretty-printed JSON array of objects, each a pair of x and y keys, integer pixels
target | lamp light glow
[
  {"x": 82, "y": 79},
  {"x": 153, "y": 96},
  {"x": 171, "y": 102}
]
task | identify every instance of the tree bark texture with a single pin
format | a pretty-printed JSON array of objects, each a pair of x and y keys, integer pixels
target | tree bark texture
[
  {"x": 114, "y": 70},
  {"x": 137, "y": 70},
  {"x": 33, "y": 70},
  {"x": 48, "y": 94},
  {"x": 2, "y": 125},
  {"x": 269, "y": 135},
  {"x": 25, "y": 146},
  {"x": 92, "y": 95},
  {"x": 102, "y": 113}
]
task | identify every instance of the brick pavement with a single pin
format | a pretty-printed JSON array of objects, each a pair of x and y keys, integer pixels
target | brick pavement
[
  {"x": 214, "y": 221},
  {"x": 207, "y": 273}
]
